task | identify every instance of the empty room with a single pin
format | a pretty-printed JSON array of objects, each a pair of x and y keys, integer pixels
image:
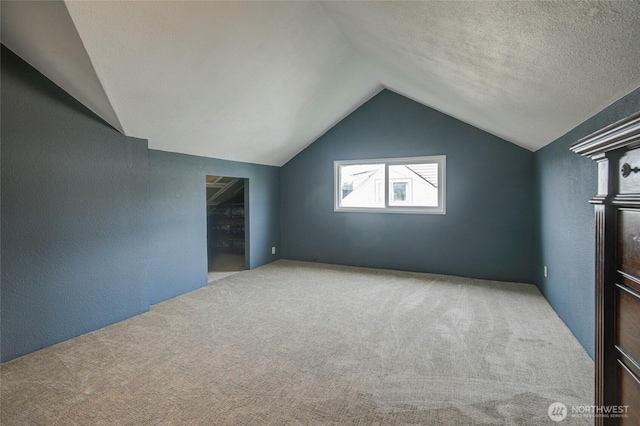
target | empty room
[{"x": 320, "y": 213}]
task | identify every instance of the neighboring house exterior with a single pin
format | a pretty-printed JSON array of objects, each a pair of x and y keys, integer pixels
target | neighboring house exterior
[{"x": 409, "y": 185}]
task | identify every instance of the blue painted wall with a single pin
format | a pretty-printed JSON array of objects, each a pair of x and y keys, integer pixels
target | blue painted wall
[
  {"x": 178, "y": 222},
  {"x": 96, "y": 227},
  {"x": 566, "y": 223},
  {"x": 488, "y": 231},
  {"x": 74, "y": 216}
]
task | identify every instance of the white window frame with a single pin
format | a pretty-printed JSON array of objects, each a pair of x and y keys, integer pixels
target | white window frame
[{"x": 439, "y": 209}]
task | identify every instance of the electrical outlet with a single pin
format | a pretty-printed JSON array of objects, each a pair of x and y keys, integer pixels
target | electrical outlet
[
  {"x": 273, "y": 250},
  {"x": 546, "y": 272}
]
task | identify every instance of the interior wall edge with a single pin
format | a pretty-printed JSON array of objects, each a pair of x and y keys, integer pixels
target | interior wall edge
[{"x": 566, "y": 225}]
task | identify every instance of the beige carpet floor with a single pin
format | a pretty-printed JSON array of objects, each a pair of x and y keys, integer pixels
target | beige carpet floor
[
  {"x": 295, "y": 343},
  {"x": 215, "y": 276}
]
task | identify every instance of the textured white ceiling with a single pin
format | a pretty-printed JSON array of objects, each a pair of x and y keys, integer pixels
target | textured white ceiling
[
  {"x": 260, "y": 81},
  {"x": 527, "y": 71}
]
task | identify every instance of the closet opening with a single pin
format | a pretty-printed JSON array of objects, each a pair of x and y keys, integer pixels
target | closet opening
[{"x": 226, "y": 226}]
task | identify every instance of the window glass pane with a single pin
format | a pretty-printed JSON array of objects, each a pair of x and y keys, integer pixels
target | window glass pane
[
  {"x": 413, "y": 185},
  {"x": 399, "y": 191},
  {"x": 360, "y": 187}
]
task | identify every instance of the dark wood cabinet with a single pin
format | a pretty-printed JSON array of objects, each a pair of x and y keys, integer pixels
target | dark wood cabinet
[{"x": 616, "y": 149}]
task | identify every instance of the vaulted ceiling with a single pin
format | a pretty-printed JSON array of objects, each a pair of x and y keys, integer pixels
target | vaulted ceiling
[{"x": 260, "y": 81}]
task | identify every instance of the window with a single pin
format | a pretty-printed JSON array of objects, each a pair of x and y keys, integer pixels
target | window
[{"x": 391, "y": 185}]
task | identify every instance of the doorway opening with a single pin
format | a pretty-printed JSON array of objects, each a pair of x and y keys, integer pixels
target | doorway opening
[{"x": 226, "y": 221}]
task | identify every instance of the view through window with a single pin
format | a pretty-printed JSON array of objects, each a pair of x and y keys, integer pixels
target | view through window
[{"x": 392, "y": 185}]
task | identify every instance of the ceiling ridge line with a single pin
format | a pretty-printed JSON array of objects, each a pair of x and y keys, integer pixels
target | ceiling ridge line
[{"x": 121, "y": 127}]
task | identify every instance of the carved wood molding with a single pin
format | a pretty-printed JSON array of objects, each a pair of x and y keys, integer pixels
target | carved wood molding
[
  {"x": 624, "y": 133},
  {"x": 614, "y": 148}
]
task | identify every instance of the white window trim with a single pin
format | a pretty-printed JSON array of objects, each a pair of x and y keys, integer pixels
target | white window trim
[{"x": 440, "y": 209}]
